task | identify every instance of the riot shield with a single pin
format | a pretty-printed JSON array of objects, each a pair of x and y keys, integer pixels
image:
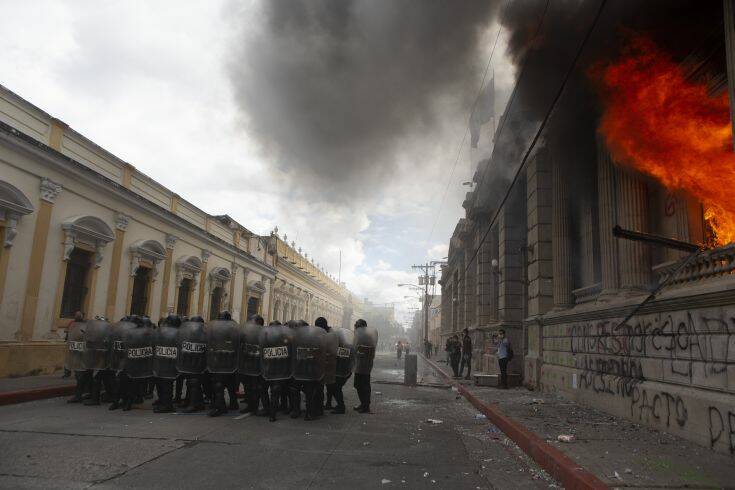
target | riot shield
[
  {"x": 75, "y": 347},
  {"x": 276, "y": 350},
  {"x": 139, "y": 352},
  {"x": 308, "y": 358},
  {"x": 223, "y": 337},
  {"x": 192, "y": 344},
  {"x": 366, "y": 338},
  {"x": 165, "y": 353},
  {"x": 331, "y": 344},
  {"x": 248, "y": 362},
  {"x": 345, "y": 352},
  {"x": 97, "y": 336},
  {"x": 118, "y": 353}
]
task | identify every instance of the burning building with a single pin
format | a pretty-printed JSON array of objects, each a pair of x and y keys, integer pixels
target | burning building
[{"x": 621, "y": 117}]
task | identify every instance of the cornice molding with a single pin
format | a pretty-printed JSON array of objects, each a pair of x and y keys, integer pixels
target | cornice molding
[{"x": 71, "y": 167}]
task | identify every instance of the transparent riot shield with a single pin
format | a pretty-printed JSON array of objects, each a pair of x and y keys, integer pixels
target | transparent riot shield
[{"x": 276, "y": 349}]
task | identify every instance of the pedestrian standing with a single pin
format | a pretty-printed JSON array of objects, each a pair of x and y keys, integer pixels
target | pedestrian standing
[
  {"x": 466, "y": 354},
  {"x": 399, "y": 350},
  {"x": 505, "y": 354}
]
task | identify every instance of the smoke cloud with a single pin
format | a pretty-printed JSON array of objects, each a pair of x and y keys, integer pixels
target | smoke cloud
[{"x": 337, "y": 91}]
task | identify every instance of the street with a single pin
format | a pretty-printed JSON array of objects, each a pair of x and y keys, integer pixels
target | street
[{"x": 50, "y": 444}]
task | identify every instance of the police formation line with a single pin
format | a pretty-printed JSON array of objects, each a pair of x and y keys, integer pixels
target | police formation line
[{"x": 276, "y": 364}]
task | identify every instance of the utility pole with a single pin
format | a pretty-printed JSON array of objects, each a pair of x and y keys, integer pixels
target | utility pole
[{"x": 426, "y": 280}]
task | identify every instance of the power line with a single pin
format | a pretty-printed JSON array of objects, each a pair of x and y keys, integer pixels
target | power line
[
  {"x": 467, "y": 128},
  {"x": 538, "y": 133}
]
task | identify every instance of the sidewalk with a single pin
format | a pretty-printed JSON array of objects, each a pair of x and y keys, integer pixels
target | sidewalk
[
  {"x": 27, "y": 388},
  {"x": 619, "y": 452}
]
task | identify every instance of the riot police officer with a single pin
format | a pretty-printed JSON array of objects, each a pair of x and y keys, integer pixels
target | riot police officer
[
  {"x": 74, "y": 361},
  {"x": 223, "y": 338},
  {"x": 366, "y": 338},
  {"x": 97, "y": 335},
  {"x": 344, "y": 366},
  {"x": 276, "y": 349},
  {"x": 164, "y": 362},
  {"x": 191, "y": 361},
  {"x": 249, "y": 367},
  {"x": 308, "y": 361},
  {"x": 138, "y": 343}
]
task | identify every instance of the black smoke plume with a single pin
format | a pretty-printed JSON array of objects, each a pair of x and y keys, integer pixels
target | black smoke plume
[{"x": 335, "y": 90}]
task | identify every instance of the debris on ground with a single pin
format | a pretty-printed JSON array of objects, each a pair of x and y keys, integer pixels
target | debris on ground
[
  {"x": 480, "y": 416},
  {"x": 435, "y": 421},
  {"x": 426, "y": 473},
  {"x": 378, "y": 393},
  {"x": 384, "y": 481},
  {"x": 565, "y": 438},
  {"x": 536, "y": 401}
]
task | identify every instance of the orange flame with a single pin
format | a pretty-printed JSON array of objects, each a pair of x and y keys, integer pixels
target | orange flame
[{"x": 670, "y": 128}]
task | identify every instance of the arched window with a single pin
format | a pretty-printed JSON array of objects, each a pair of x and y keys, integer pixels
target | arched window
[
  {"x": 183, "y": 299},
  {"x": 144, "y": 258},
  {"x": 85, "y": 238},
  {"x": 141, "y": 291},
  {"x": 216, "y": 302},
  {"x": 76, "y": 285},
  {"x": 187, "y": 273}
]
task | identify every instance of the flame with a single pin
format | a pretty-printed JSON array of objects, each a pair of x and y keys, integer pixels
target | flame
[{"x": 670, "y": 128}]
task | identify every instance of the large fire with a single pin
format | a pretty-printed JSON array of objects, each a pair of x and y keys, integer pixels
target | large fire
[{"x": 670, "y": 128}]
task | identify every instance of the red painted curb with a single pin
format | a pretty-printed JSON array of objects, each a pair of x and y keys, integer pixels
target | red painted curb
[
  {"x": 555, "y": 462},
  {"x": 11, "y": 397}
]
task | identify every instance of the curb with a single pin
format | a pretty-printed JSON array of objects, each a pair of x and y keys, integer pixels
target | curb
[
  {"x": 556, "y": 463},
  {"x": 12, "y": 397}
]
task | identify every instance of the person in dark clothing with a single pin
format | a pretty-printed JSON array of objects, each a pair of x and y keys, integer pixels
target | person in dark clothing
[
  {"x": 504, "y": 356},
  {"x": 455, "y": 352},
  {"x": 466, "y": 354},
  {"x": 399, "y": 350},
  {"x": 366, "y": 339}
]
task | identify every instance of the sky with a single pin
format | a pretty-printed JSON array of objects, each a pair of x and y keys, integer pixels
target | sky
[{"x": 229, "y": 105}]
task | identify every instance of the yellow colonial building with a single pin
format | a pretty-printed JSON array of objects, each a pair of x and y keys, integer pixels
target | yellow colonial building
[
  {"x": 302, "y": 290},
  {"x": 82, "y": 230}
]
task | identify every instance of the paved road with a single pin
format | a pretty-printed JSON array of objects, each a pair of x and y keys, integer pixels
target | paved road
[{"x": 49, "y": 444}]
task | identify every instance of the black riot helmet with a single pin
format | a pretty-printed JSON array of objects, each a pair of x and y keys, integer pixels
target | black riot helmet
[
  {"x": 196, "y": 319},
  {"x": 321, "y": 322},
  {"x": 258, "y": 320},
  {"x": 292, "y": 324},
  {"x": 302, "y": 323},
  {"x": 172, "y": 321},
  {"x": 360, "y": 323},
  {"x": 275, "y": 322},
  {"x": 225, "y": 315}
]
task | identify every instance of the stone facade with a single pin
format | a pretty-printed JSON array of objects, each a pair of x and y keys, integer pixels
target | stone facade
[{"x": 545, "y": 266}]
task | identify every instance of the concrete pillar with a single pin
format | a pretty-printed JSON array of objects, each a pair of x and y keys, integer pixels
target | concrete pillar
[
  {"x": 49, "y": 191},
  {"x": 510, "y": 281},
  {"x": 561, "y": 240},
  {"x": 170, "y": 244},
  {"x": 485, "y": 281},
  {"x": 461, "y": 294},
  {"x": 121, "y": 224},
  {"x": 538, "y": 208},
  {"x": 634, "y": 257},
  {"x": 606, "y": 174},
  {"x": 471, "y": 282}
]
